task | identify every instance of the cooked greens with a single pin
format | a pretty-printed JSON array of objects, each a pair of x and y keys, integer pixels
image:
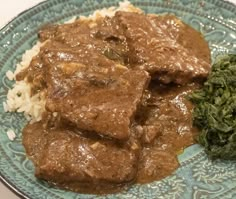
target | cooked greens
[{"x": 215, "y": 110}]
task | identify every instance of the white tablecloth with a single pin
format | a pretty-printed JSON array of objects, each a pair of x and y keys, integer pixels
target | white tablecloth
[{"x": 8, "y": 10}]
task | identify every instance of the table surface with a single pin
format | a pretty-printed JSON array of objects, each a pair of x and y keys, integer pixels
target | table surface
[{"x": 8, "y": 10}]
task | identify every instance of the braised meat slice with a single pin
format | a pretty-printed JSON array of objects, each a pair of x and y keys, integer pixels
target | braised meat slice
[
  {"x": 165, "y": 125},
  {"x": 67, "y": 158},
  {"x": 184, "y": 34},
  {"x": 152, "y": 49},
  {"x": 156, "y": 164},
  {"x": 97, "y": 95},
  {"x": 78, "y": 42},
  {"x": 167, "y": 116},
  {"x": 101, "y": 36}
]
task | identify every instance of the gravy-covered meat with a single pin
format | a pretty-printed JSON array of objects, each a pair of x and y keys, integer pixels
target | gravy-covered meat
[
  {"x": 177, "y": 30},
  {"x": 156, "y": 164},
  {"x": 166, "y": 130},
  {"x": 85, "y": 42},
  {"x": 85, "y": 83},
  {"x": 115, "y": 91},
  {"x": 170, "y": 109},
  {"x": 88, "y": 106},
  {"x": 152, "y": 49},
  {"x": 101, "y": 97},
  {"x": 79, "y": 163}
]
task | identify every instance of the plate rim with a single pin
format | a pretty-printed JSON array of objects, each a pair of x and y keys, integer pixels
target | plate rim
[{"x": 11, "y": 187}]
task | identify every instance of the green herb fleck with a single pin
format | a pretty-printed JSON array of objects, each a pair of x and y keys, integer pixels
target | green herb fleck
[
  {"x": 113, "y": 55},
  {"x": 18, "y": 94}
]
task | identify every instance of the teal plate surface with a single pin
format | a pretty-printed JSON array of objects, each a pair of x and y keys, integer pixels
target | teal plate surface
[{"x": 198, "y": 177}]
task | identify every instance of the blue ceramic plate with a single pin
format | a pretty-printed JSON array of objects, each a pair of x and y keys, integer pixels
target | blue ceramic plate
[{"x": 197, "y": 177}]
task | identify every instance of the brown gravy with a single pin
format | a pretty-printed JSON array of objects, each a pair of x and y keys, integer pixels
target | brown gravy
[
  {"x": 118, "y": 88},
  {"x": 169, "y": 113}
]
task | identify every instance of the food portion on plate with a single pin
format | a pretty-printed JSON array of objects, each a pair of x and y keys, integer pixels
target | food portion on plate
[
  {"x": 215, "y": 109},
  {"x": 106, "y": 96}
]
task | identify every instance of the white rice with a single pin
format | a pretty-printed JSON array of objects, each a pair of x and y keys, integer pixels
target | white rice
[
  {"x": 11, "y": 135},
  {"x": 19, "y": 98},
  {"x": 110, "y": 12}
]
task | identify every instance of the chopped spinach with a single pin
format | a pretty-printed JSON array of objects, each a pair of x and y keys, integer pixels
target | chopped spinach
[{"x": 215, "y": 109}]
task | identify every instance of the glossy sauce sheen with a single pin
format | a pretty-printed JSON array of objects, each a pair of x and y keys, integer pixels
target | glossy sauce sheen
[
  {"x": 168, "y": 124},
  {"x": 119, "y": 89}
]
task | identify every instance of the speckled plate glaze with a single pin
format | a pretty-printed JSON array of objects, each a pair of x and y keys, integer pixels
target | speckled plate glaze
[{"x": 198, "y": 177}]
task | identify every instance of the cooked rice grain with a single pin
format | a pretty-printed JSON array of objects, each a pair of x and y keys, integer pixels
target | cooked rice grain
[{"x": 11, "y": 135}]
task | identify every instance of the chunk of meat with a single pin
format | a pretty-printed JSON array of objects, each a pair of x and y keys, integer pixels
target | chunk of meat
[
  {"x": 102, "y": 98},
  {"x": 165, "y": 119},
  {"x": 184, "y": 34},
  {"x": 153, "y": 50},
  {"x": 85, "y": 80},
  {"x": 173, "y": 116},
  {"x": 100, "y": 36},
  {"x": 67, "y": 158},
  {"x": 90, "y": 109},
  {"x": 34, "y": 140},
  {"x": 78, "y": 42},
  {"x": 156, "y": 164}
]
